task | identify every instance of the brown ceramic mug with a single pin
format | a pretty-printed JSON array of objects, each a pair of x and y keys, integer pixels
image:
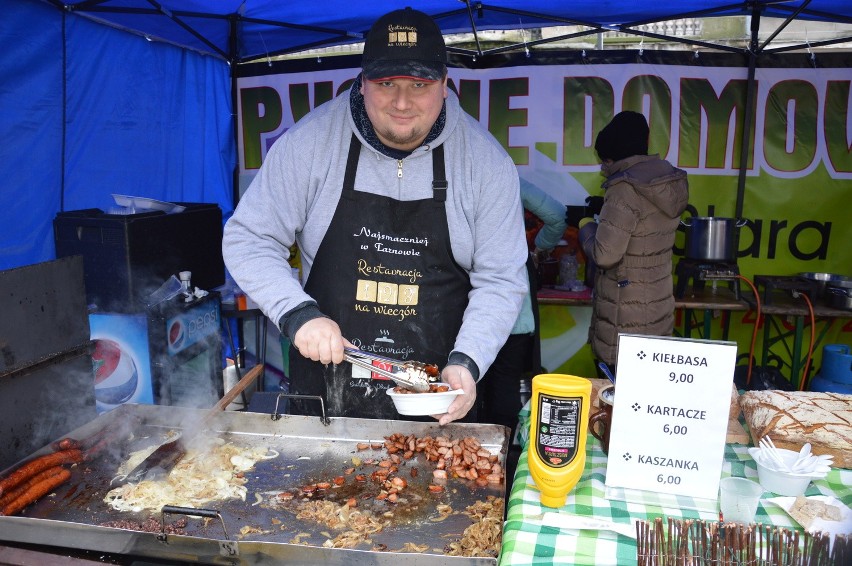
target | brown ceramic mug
[{"x": 601, "y": 422}]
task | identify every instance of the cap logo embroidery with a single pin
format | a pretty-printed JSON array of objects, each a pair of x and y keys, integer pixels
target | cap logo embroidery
[{"x": 402, "y": 36}]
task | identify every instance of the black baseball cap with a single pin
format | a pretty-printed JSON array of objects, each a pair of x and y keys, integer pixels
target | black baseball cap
[{"x": 404, "y": 43}]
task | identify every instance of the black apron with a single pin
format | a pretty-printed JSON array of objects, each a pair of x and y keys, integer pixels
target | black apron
[{"x": 385, "y": 273}]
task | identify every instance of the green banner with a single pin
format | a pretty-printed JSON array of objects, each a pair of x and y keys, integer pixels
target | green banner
[{"x": 797, "y": 158}]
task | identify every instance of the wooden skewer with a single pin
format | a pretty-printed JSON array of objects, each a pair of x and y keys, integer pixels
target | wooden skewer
[
  {"x": 685, "y": 544},
  {"x": 842, "y": 552},
  {"x": 766, "y": 544},
  {"x": 639, "y": 549},
  {"x": 713, "y": 540},
  {"x": 707, "y": 543},
  {"x": 668, "y": 533},
  {"x": 788, "y": 545},
  {"x": 735, "y": 555},
  {"x": 734, "y": 543},
  {"x": 750, "y": 545}
]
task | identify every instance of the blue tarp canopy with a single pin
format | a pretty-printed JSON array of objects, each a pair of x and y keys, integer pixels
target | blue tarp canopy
[
  {"x": 88, "y": 110},
  {"x": 240, "y": 30}
]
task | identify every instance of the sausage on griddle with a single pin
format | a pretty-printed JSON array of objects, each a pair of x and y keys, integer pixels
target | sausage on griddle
[
  {"x": 36, "y": 492},
  {"x": 33, "y": 467},
  {"x": 65, "y": 444},
  {"x": 16, "y": 492}
]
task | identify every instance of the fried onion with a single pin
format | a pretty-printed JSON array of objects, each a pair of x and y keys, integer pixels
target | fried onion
[
  {"x": 484, "y": 536},
  {"x": 200, "y": 477}
]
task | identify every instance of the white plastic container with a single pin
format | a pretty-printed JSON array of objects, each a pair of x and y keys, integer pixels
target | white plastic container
[
  {"x": 776, "y": 481},
  {"x": 420, "y": 404}
]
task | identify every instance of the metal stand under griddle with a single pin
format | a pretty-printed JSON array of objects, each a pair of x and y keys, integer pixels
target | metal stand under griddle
[{"x": 701, "y": 271}]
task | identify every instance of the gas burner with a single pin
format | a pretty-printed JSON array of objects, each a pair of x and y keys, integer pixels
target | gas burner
[
  {"x": 701, "y": 271},
  {"x": 772, "y": 283}
]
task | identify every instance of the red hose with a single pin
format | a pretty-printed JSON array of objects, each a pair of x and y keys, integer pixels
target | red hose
[
  {"x": 754, "y": 332},
  {"x": 811, "y": 345}
]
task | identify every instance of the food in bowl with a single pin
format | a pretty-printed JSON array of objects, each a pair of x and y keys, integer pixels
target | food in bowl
[
  {"x": 433, "y": 388},
  {"x": 435, "y": 402}
]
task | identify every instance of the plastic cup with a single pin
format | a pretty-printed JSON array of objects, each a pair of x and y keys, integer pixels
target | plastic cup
[{"x": 738, "y": 499}]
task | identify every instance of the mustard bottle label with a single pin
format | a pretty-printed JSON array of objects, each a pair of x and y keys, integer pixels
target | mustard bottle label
[{"x": 557, "y": 435}]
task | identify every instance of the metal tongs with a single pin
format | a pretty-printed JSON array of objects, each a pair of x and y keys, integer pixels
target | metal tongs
[{"x": 413, "y": 375}]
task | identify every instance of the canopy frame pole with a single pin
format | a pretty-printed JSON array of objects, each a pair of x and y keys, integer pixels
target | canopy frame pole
[
  {"x": 786, "y": 22},
  {"x": 62, "y": 159},
  {"x": 473, "y": 26},
  {"x": 233, "y": 52},
  {"x": 748, "y": 115}
]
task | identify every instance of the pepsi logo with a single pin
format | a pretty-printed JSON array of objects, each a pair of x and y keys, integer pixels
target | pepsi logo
[
  {"x": 177, "y": 334},
  {"x": 116, "y": 373}
]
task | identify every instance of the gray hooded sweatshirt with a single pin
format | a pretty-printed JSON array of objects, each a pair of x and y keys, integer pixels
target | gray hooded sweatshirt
[{"x": 295, "y": 193}]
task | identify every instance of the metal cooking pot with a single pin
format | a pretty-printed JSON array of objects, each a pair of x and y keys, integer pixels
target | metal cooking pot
[
  {"x": 823, "y": 280},
  {"x": 709, "y": 238}
]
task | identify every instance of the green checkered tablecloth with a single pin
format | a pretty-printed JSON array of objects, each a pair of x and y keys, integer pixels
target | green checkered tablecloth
[{"x": 527, "y": 541}]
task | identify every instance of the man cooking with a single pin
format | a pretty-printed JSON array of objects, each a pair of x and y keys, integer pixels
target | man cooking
[{"x": 408, "y": 217}]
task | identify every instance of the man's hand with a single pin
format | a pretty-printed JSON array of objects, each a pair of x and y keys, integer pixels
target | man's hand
[
  {"x": 320, "y": 340},
  {"x": 458, "y": 377}
]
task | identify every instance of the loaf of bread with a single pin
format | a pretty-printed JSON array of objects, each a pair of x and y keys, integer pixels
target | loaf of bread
[
  {"x": 734, "y": 413},
  {"x": 792, "y": 418}
]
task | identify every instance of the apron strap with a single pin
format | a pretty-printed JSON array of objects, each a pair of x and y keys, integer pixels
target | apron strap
[
  {"x": 439, "y": 175},
  {"x": 352, "y": 164}
]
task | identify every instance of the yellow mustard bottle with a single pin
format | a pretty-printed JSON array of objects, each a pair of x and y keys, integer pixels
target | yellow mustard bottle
[{"x": 559, "y": 420}]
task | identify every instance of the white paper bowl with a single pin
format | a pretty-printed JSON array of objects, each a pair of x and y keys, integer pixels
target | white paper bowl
[
  {"x": 420, "y": 404},
  {"x": 781, "y": 483}
]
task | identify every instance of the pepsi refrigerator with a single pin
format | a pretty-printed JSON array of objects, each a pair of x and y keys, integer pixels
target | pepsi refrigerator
[{"x": 168, "y": 354}]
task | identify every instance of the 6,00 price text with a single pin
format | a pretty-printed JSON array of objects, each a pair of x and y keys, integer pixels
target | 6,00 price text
[{"x": 676, "y": 429}]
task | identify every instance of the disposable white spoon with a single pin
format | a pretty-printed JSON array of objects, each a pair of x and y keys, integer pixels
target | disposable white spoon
[
  {"x": 772, "y": 452},
  {"x": 818, "y": 472},
  {"x": 805, "y": 464}
]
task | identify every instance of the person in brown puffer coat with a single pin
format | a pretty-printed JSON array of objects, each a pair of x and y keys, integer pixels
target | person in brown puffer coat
[{"x": 631, "y": 244}]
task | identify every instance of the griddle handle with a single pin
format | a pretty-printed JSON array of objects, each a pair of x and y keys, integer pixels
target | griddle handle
[
  {"x": 324, "y": 419},
  {"x": 191, "y": 511}
]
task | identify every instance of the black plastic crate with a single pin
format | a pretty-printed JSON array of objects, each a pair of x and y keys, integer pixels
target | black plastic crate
[{"x": 127, "y": 257}]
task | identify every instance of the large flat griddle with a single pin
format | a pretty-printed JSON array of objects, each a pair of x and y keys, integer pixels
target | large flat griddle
[{"x": 310, "y": 451}]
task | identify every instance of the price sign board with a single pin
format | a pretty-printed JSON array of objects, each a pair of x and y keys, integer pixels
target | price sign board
[{"x": 670, "y": 415}]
